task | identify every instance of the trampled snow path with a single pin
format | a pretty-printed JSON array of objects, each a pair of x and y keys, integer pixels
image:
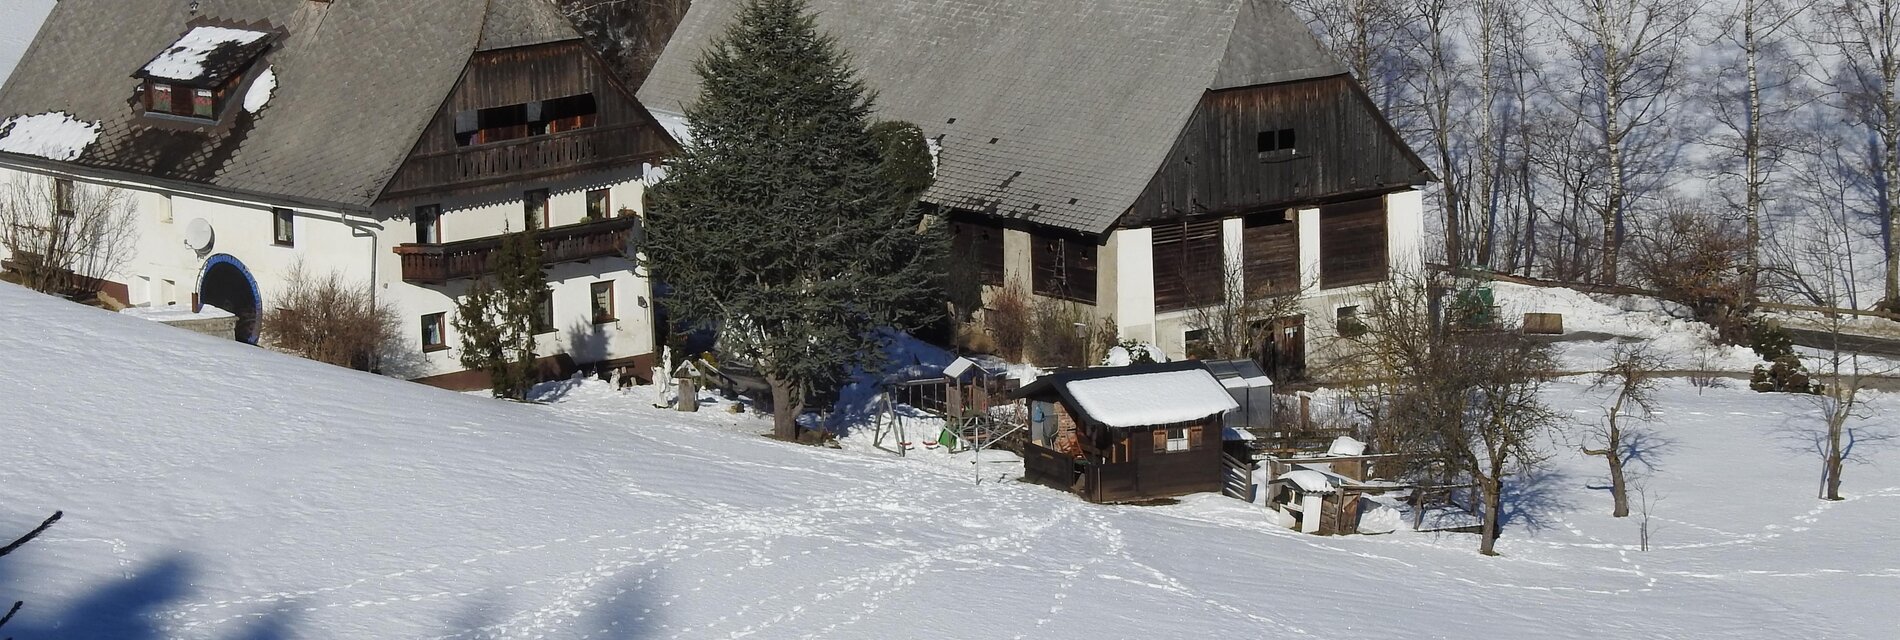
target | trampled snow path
[{"x": 218, "y": 491}]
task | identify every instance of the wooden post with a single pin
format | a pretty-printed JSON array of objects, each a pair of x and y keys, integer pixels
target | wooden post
[
  {"x": 1306, "y": 413},
  {"x": 689, "y": 396}
]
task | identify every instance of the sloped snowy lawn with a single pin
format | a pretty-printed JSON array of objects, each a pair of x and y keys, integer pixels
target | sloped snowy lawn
[{"x": 214, "y": 490}]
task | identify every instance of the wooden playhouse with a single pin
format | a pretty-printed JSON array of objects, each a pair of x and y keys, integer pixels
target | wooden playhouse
[{"x": 1125, "y": 434}]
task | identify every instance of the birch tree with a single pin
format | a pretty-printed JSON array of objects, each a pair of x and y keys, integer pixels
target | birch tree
[
  {"x": 1627, "y": 54},
  {"x": 1865, "y": 36},
  {"x": 1751, "y": 104}
]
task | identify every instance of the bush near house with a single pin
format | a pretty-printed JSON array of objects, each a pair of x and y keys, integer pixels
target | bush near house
[{"x": 330, "y": 319}]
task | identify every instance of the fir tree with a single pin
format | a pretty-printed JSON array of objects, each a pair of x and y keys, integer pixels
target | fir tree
[
  {"x": 780, "y": 223},
  {"x": 496, "y": 318}
]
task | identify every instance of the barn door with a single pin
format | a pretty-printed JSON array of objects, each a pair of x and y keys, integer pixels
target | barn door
[{"x": 1283, "y": 356}]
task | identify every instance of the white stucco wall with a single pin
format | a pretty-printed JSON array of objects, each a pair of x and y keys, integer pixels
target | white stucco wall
[{"x": 164, "y": 271}]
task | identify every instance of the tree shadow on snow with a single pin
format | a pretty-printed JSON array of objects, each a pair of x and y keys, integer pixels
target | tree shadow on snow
[
  {"x": 128, "y": 608},
  {"x": 1531, "y": 499}
]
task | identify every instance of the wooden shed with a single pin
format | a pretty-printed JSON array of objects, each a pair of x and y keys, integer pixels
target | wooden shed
[{"x": 1123, "y": 434}]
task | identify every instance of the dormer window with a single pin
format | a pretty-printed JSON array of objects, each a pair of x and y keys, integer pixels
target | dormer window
[{"x": 195, "y": 76}]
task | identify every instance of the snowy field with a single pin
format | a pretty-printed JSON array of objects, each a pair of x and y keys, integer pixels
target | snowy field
[
  {"x": 214, "y": 490},
  {"x": 19, "y": 20}
]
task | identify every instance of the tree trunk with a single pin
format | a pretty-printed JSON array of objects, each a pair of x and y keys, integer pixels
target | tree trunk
[
  {"x": 1752, "y": 149},
  {"x": 787, "y": 403},
  {"x": 1834, "y": 456},
  {"x": 1619, "y": 490},
  {"x": 1493, "y": 489}
]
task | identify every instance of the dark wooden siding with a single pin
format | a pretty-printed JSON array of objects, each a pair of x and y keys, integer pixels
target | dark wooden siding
[
  {"x": 1342, "y": 149},
  {"x": 1148, "y": 473},
  {"x": 622, "y": 134},
  {"x": 1271, "y": 250},
  {"x": 1064, "y": 268},
  {"x": 1352, "y": 243},
  {"x": 980, "y": 245},
  {"x": 1187, "y": 264}
]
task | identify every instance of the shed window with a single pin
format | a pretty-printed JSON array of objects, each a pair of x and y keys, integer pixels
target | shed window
[
  {"x": 1187, "y": 265},
  {"x": 1178, "y": 439},
  {"x": 1352, "y": 243},
  {"x": 1064, "y": 268}
]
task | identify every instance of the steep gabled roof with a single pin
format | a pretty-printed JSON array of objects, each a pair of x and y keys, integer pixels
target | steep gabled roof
[
  {"x": 1054, "y": 111},
  {"x": 356, "y": 83}
]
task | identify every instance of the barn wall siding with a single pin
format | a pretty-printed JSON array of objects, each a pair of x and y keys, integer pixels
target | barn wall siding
[{"x": 1342, "y": 149}]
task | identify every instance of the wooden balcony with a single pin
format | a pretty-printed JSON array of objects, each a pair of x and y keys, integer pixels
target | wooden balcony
[
  {"x": 440, "y": 263},
  {"x": 534, "y": 158}
]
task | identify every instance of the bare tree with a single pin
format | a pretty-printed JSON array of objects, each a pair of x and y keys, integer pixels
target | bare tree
[
  {"x": 1366, "y": 35},
  {"x": 1846, "y": 372},
  {"x": 330, "y": 319},
  {"x": 1240, "y": 322},
  {"x": 1633, "y": 377},
  {"x": 1694, "y": 258},
  {"x": 1865, "y": 36},
  {"x": 65, "y": 237},
  {"x": 1627, "y": 54},
  {"x": 1468, "y": 400}
]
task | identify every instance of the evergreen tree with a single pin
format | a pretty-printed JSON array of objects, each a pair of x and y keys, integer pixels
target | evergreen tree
[
  {"x": 496, "y": 318},
  {"x": 780, "y": 223}
]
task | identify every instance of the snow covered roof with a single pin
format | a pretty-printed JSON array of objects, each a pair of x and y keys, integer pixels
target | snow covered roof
[
  {"x": 1346, "y": 446},
  {"x": 1137, "y": 396},
  {"x": 1058, "y": 112},
  {"x": 54, "y": 136},
  {"x": 1308, "y": 480},
  {"x": 207, "y": 56}
]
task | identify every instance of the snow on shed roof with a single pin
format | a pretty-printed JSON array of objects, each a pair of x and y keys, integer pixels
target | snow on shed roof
[
  {"x": 1145, "y": 399},
  {"x": 1308, "y": 480},
  {"x": 207, "y": 55}
]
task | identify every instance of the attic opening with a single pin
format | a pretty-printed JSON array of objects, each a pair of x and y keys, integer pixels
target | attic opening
[
  {"x": 1280, "y": 142},
  {"x": 525, "y": 120},
  {"x": 196, "y": 76}
]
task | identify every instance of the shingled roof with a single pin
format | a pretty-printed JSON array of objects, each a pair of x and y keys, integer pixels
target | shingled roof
[
  {"x": 1053, "y": 111},
  {"x": 356, "y": 83}
]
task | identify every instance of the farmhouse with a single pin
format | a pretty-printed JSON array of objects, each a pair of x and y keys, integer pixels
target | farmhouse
[
  {"x": 1116, "y": 434},
  {"x": 1131, "y": 156},
  {"x": 391, "y": 141}
]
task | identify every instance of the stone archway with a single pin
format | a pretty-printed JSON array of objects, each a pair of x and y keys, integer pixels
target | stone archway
[{"x": 227, "y": 285}]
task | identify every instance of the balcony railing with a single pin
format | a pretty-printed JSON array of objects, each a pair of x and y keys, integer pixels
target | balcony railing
[{"x": 440, "y": 263}]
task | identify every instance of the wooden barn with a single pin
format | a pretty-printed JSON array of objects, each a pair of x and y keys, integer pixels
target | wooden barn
[{"x": 1125, "y": 434}]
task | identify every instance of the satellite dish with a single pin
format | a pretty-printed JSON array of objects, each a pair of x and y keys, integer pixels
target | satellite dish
[{"x": 198, "y": 235}]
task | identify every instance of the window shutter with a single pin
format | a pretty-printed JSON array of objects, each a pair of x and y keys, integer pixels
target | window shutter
[
  {"x": 1161, "y": 440},
  {"x": 1194, "y": 437}
]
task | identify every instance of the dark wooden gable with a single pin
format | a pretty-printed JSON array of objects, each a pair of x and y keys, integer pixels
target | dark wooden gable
[
  {"x": 583, "y": 120},
  {"x": 1267, "y": 148}
]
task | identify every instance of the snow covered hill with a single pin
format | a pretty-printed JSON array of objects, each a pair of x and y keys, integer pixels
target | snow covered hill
[
  {"x": 214, "y": 490},
  {"x": 19, "y": 20}
]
